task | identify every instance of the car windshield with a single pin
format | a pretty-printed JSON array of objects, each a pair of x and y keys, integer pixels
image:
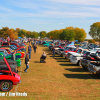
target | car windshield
[
  {"x": 98, "y": 54},
  {"x": 74, "y": 49},
  {"x": 86, "y": 53},
  {"x": 12, "y": 47}
]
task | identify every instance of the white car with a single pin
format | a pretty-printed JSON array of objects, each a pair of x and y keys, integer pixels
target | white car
[{"x": 75, "y": 57}]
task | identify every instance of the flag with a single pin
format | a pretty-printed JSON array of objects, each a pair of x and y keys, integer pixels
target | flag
[
  {"x": 8, "y": 39},
  {"x": 71, "y": 44}
]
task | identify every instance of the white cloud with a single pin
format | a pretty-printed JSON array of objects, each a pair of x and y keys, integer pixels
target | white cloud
[
  {"x": 61, "y": 23},
  {"x": 5, "y": 9},
  {"x": 79, "y": 2}
]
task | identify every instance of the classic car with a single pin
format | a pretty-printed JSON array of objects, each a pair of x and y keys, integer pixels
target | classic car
[
  {"x": 94, "y": 66},
  {"x": 69, "y": 49},
  {"x": 12, "y": 64},
  {"x": 87, "y": 58},
  {"x": 75, "y": 57},
  {"x": 8, "y": 78}
]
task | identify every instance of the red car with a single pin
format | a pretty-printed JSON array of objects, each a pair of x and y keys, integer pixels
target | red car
[
  {"x": 18, "y": 51},
  {"x": 8, "y": 44},
  {"x": 69, "y": 49},
  {"x": 8, "y": 78}
]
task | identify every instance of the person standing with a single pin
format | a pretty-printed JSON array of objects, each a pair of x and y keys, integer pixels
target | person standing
[
  {"x": 13, "y": 57},
  {"x": 35, "y": 47},
  {"x": 29, "y": 51},
  {"x": 27, "y": 62},
  {"x": 53, "y": 51}
]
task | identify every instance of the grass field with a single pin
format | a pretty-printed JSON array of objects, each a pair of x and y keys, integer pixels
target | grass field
[{"x": 57, "y": 79}]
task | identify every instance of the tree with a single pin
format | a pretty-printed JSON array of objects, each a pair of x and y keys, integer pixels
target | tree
[
  {"x": 95, "y": 31},
  {"x": 67, "y": 34},
  {"x": 91, "y": 41},
  {"x": 42, "y": 34},
  {"x": 80, "y": 34}
]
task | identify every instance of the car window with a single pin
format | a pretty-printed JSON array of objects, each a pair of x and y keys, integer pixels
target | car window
[
  {"x": 5, "y": 43},
  {"x": 79, "y": 51}
]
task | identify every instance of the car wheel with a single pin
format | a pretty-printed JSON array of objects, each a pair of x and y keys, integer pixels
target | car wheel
[
  {"x": 6, "y": 86},
  {"x": 83, "y": 67},
  {"x": 78, "y": 62}
]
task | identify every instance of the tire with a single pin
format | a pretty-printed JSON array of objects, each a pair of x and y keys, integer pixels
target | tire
[
  {"x": 78, "y": 62},
  {"x": 5, "y": 86},
  {"x": 84, "y": 67}
]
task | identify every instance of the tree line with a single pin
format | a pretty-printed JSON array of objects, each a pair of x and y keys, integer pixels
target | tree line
[{"x": 69, "y": 33}]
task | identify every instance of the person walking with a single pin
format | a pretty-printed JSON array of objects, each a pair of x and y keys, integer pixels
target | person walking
[
  {"x": 53, "y": 52},
  {"x": 35, "y": 47},
  {"x": 29, "y": 51},
  {"x": 27, "y": 62}
]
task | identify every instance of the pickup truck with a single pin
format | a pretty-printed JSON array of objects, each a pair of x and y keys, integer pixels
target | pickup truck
[{"x": 75, "y": 57}]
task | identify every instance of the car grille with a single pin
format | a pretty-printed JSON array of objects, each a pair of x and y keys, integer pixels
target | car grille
[{"x": 90, "y": 67}]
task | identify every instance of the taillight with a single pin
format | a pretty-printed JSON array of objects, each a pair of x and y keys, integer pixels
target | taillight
[{"x": 92, "y": 58}]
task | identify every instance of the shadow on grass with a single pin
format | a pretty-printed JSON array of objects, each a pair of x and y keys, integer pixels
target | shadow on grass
[
  {"x": 21, "y": 71},
  {"x": 58, "y": 58},
  {"x": 36, "y": 61},
  {"x": 46, "y": 49},
  {"x": 63, "y": 61},
  {"x": 22, "y": 59},
  {"x": 68, "y": 65},
  {"x": 76, "y": 70},
  {"x": 81, "y": 76},
  {"x": 49, "y": 54}
]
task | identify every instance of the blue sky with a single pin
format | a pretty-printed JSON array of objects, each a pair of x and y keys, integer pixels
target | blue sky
[{"x": 48, "y": 15}]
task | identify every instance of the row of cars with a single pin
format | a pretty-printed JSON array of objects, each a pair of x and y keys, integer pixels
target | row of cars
[
  {"x": 9, "y": 67},
  {"x": 87, "y": 58}
]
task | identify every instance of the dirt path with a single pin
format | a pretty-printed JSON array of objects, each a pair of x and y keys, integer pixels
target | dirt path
[{"x": 57, "y": 79}]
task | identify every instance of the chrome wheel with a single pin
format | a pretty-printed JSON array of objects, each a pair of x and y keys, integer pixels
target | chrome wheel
[{"x": 5, "y": 86}]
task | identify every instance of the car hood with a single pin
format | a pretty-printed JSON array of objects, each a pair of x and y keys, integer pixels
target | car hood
[{"x": 76, "y": 54}]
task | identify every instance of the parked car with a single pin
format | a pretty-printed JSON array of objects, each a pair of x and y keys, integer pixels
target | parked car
[
  {"x": 75, "y": 57},
  {"x": 69, "y": 49},
  {"x": 94, "y": 66},
  {"x": 13, "y": 47},
  {"x": 12, "y": 64},
  {"x": 5, "y": 44},
  {"x": 8, "y": 78},
  {"x": 87, "y": 58},
  {"x": 4, "y": 53}
]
